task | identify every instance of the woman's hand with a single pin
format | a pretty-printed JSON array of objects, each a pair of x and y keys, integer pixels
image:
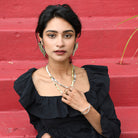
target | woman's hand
[
  {"x": 46, "y": 135},
  {"x": 75, "y": 99}
]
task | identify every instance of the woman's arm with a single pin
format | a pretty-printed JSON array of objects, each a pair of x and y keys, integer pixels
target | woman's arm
[
  {"x": 94, "y": 119},
  {"x": 78, "y": 101},
  {"x": 104, "y": 122}
]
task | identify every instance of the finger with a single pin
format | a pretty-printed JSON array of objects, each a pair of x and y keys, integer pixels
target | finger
[
  {"x": 65, "y": 96},
  {"x": 67, "y": 91},
  {"x": 70, "y": 88},
  {"x": 65, "y": 100}
]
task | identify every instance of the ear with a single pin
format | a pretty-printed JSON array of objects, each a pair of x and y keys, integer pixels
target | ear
[
  {"x": 76, "y": 39},
  {"x": 40, "y": 38}
]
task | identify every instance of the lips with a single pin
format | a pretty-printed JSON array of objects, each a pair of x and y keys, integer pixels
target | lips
[{"x": 60, "y": 52}]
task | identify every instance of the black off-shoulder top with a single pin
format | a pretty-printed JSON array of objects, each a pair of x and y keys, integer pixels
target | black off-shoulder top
[{"x": 50, "y": 115}]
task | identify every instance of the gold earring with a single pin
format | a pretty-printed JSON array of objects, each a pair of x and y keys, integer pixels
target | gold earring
[
  {"x": 41, "y": 48},
  {"x": 75, "y": 48}
]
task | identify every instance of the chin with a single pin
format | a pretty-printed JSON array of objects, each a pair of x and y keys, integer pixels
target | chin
[{"x": 63, "y": 60}]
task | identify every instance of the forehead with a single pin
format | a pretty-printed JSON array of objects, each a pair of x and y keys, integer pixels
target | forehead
[{"x": 59, "y": 24}]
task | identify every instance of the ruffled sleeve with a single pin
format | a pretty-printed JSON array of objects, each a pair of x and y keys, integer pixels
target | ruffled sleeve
[
  {"x": 24, "y": 88},
  {"x": 109, "y": 121},
  {"x": 43, "y": 107}
]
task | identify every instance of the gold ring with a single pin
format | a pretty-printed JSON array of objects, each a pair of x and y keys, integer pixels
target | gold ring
[
  {"x": 66, "y": 90},
  {"x": 70, "y": 89}
]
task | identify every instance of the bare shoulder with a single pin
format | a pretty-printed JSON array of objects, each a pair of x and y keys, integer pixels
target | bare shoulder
[
  {"x": 39, "y": 75},
  {"x": 82, "y": 82},
  {"x": 80, "y": 72},
  {"x": 42, "y": 82}
]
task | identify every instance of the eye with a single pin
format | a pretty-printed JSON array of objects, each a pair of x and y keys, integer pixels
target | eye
[
  {"x": 51, "y": 36},
  {"x": 67, "y": 36}
]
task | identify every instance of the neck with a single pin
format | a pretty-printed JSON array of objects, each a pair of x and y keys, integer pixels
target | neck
[{"x": 60, "y": 69}]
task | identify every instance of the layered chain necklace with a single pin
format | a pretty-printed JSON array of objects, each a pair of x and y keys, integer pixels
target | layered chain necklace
[{"x": 58, "y": 83}]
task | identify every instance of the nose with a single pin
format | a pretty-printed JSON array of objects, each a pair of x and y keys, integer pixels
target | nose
[{"x": 60, "y": 42}]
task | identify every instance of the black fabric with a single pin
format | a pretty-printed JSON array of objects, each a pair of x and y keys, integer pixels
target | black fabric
[{"x": 51, "y": 115}]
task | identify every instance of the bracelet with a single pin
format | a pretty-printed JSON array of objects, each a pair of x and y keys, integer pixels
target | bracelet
[{"x": 87, "y": 108}]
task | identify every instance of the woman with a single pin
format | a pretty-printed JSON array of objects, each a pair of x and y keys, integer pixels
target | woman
[{"x": 63, "y": 100}]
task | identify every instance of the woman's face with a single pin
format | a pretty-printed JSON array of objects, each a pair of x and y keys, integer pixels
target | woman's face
[{"x": 58, "y": 39}]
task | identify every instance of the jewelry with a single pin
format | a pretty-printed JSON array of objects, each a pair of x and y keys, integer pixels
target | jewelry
[
  {"x": 75, "y": 48},
  {"x": 65, "y": 91},
  {"x": 58, "y": 88},
  {"x": 86, "y": 109},
  {"x": 41, "y": 48},
  {"x": 56, "y": 82},
  {"x": 53, "y": 79}
]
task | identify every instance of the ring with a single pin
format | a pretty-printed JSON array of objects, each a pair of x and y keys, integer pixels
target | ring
[
  {"x": 65, "y": 91},
  {"x": 70, "y": 89}
]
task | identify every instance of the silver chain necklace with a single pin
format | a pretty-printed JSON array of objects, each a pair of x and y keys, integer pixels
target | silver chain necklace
[{"x": 55, "y": 81}]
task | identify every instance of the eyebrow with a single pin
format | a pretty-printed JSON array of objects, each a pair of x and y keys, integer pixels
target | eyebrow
[{"x": 57, "y": 31}]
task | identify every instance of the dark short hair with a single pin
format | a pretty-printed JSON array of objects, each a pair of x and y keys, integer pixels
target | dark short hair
[{"x": 63, "y": 11}]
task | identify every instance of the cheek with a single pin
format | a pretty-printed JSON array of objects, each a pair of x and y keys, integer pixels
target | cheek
[
  {"x": 71, "y": 43},
  {"x": 45, "y": 42},
  {"x": 48, "y": 43}
]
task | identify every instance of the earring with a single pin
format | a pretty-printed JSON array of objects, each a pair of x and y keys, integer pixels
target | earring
[
  {"x": 41, "y": 48},
  {"x": 75, "y": 48}
]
